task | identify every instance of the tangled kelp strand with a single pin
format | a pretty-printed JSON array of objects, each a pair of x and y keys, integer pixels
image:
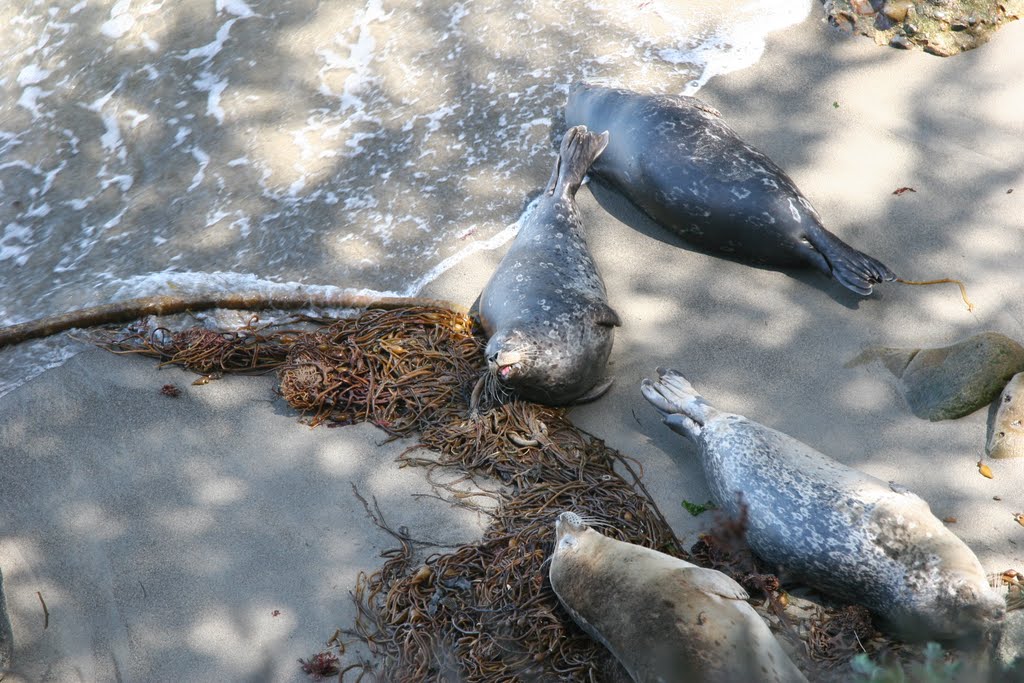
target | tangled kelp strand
[
  {"x": 397, "y": 369},
  {"x": 483, "y": 611},
  {"x": 250, "y": 349}
]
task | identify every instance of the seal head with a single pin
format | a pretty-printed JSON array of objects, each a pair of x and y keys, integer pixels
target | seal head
[{"x": 663, "y": 618}]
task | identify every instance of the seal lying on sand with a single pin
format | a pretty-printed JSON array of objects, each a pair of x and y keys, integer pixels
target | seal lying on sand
[
  {"x": 545, "y": 308},
  {"x": 663, "y": 618},
  {"x": 684, "y": 167},
  {"x": 841, "y": 531}
]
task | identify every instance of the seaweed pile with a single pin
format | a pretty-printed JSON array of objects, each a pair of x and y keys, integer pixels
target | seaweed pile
[{"x": 484, "y": 611}]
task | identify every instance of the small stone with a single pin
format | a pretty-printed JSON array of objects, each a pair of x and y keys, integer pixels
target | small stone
[
  {"x": 901, "y": 42},
  {"x": 939, "y": 50},
  {"x": 896, "y": 9},
  {"x": 862, "y": 7},
  {"x": 958, "y": 26},
  {"x": 910, "y": 29}
]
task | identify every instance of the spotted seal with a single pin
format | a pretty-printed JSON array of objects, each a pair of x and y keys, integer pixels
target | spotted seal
[
  {"x": 844, "y": 532},
  {"x": 545, "y": 308},
  {"x": 663, "y": 618},
  {"x": 678, "y": 161}
]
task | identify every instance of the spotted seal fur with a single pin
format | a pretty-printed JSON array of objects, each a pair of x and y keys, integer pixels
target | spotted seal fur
[
  {"x": 663, "y": 618},
  {"x": 545, "y": 308},
  {"x": 846, "y": 533},
  {"x": 678, "y": 161}
]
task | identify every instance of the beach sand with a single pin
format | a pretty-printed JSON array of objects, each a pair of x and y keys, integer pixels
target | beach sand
[{"x": 214, "y": 537}]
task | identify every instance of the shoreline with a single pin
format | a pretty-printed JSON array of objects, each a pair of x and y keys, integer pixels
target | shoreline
[{"x": 225, "y": 509}]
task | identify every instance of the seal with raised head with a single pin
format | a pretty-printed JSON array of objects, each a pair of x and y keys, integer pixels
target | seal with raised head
[
  {"x": 839, "y": 530},
  {"x": 663, "y": 618},
  {"x": 545, "y": 308},
  {"x": 677, "y": 160}
]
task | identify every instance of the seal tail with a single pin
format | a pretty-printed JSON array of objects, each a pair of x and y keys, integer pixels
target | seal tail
[
  {"x": 853, "y": 269},
  {"x": 580, "y": 147}
]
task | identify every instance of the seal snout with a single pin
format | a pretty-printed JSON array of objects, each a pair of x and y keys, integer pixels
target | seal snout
[
  {"x": 505, "y": 364},
  {"x": 568, "y": 526},
  {"x": 570, "y": 519}
]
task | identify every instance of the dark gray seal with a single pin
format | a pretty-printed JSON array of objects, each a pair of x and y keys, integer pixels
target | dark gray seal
[
  {"x": 676, "y": 160},
  {"x": 839, "y": 530},
  {"x": 663, "y": 618},
  {"x": 545, "y": 308}
]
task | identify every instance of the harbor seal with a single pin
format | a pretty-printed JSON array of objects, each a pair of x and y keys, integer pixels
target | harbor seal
[
  {"x": 545, "y": 308},
  {"x": 678, "y": 161},
  {"x": 843, "y": 532},
  {"x": 663, "y": 618}
]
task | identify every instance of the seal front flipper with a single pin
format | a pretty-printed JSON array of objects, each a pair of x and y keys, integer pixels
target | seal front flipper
[
  {"x": 710, "y": 581},
  {"x": 605, "y": 314},
  {"x": 853, "y": 269},
  {"x": 595, "y": 393}
]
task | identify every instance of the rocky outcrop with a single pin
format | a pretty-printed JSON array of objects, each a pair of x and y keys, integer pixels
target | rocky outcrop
[{"x": 940, "y": 27}]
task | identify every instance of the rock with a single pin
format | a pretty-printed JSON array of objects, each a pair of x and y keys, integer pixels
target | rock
[
  {"x": 897, "y": 9},
  {"x": 6, "y": 635},
  {"x": 1011, "y": 645},
  {"x": 939, "y": 27},
  {"x": 952, "y": 381},
  {"x": 1006, "y": 438}
]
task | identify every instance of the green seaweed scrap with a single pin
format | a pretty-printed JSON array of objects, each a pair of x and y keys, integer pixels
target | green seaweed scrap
[{"x": 697, "y": 508}]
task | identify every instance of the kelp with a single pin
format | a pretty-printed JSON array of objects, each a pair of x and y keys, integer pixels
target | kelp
[{"x": 484, "y": 611}]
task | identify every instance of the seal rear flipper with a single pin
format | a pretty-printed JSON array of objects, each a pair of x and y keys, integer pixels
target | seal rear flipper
[
  {"x": 580, "y": 147},
  {"x": 673, "y": 395},
  {"x": 853, "y": 269}
]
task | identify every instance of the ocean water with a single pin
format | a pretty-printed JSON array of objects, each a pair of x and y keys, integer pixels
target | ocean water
[{"x": 182, "y": 146}]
